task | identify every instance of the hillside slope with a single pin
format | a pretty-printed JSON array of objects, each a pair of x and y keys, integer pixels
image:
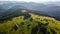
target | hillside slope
[{"x": 33, "y": 25}]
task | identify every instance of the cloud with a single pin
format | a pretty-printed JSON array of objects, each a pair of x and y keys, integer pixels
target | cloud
[{"x": 33, "y": 0}]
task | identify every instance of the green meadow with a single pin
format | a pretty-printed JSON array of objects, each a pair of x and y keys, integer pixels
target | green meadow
[{"x": 34, "y": 25}]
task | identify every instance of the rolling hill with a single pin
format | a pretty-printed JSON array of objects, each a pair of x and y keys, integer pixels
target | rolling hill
[
  {"x": 51, "y": 8},
  {"x": 17, "y": 11},
  {"x": 29, "y": 23},
  {"x": 35, "y": 24},
  {"x": 29, "y": 18}
]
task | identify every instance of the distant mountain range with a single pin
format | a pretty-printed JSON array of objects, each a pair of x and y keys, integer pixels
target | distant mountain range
[{"x": 51, "y": 8}]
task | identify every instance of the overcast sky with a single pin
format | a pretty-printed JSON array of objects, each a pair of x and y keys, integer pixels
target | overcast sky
[{"x": 34, "y": 0}]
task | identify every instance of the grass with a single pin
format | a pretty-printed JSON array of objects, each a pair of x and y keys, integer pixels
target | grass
[{"x": 52, "y": 28}]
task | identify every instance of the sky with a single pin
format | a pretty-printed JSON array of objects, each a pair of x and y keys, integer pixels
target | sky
[{"x": 34, "y": 0}]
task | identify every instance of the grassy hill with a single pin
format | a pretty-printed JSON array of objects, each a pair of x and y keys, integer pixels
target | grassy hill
[{"x": 34, "y": 25}]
